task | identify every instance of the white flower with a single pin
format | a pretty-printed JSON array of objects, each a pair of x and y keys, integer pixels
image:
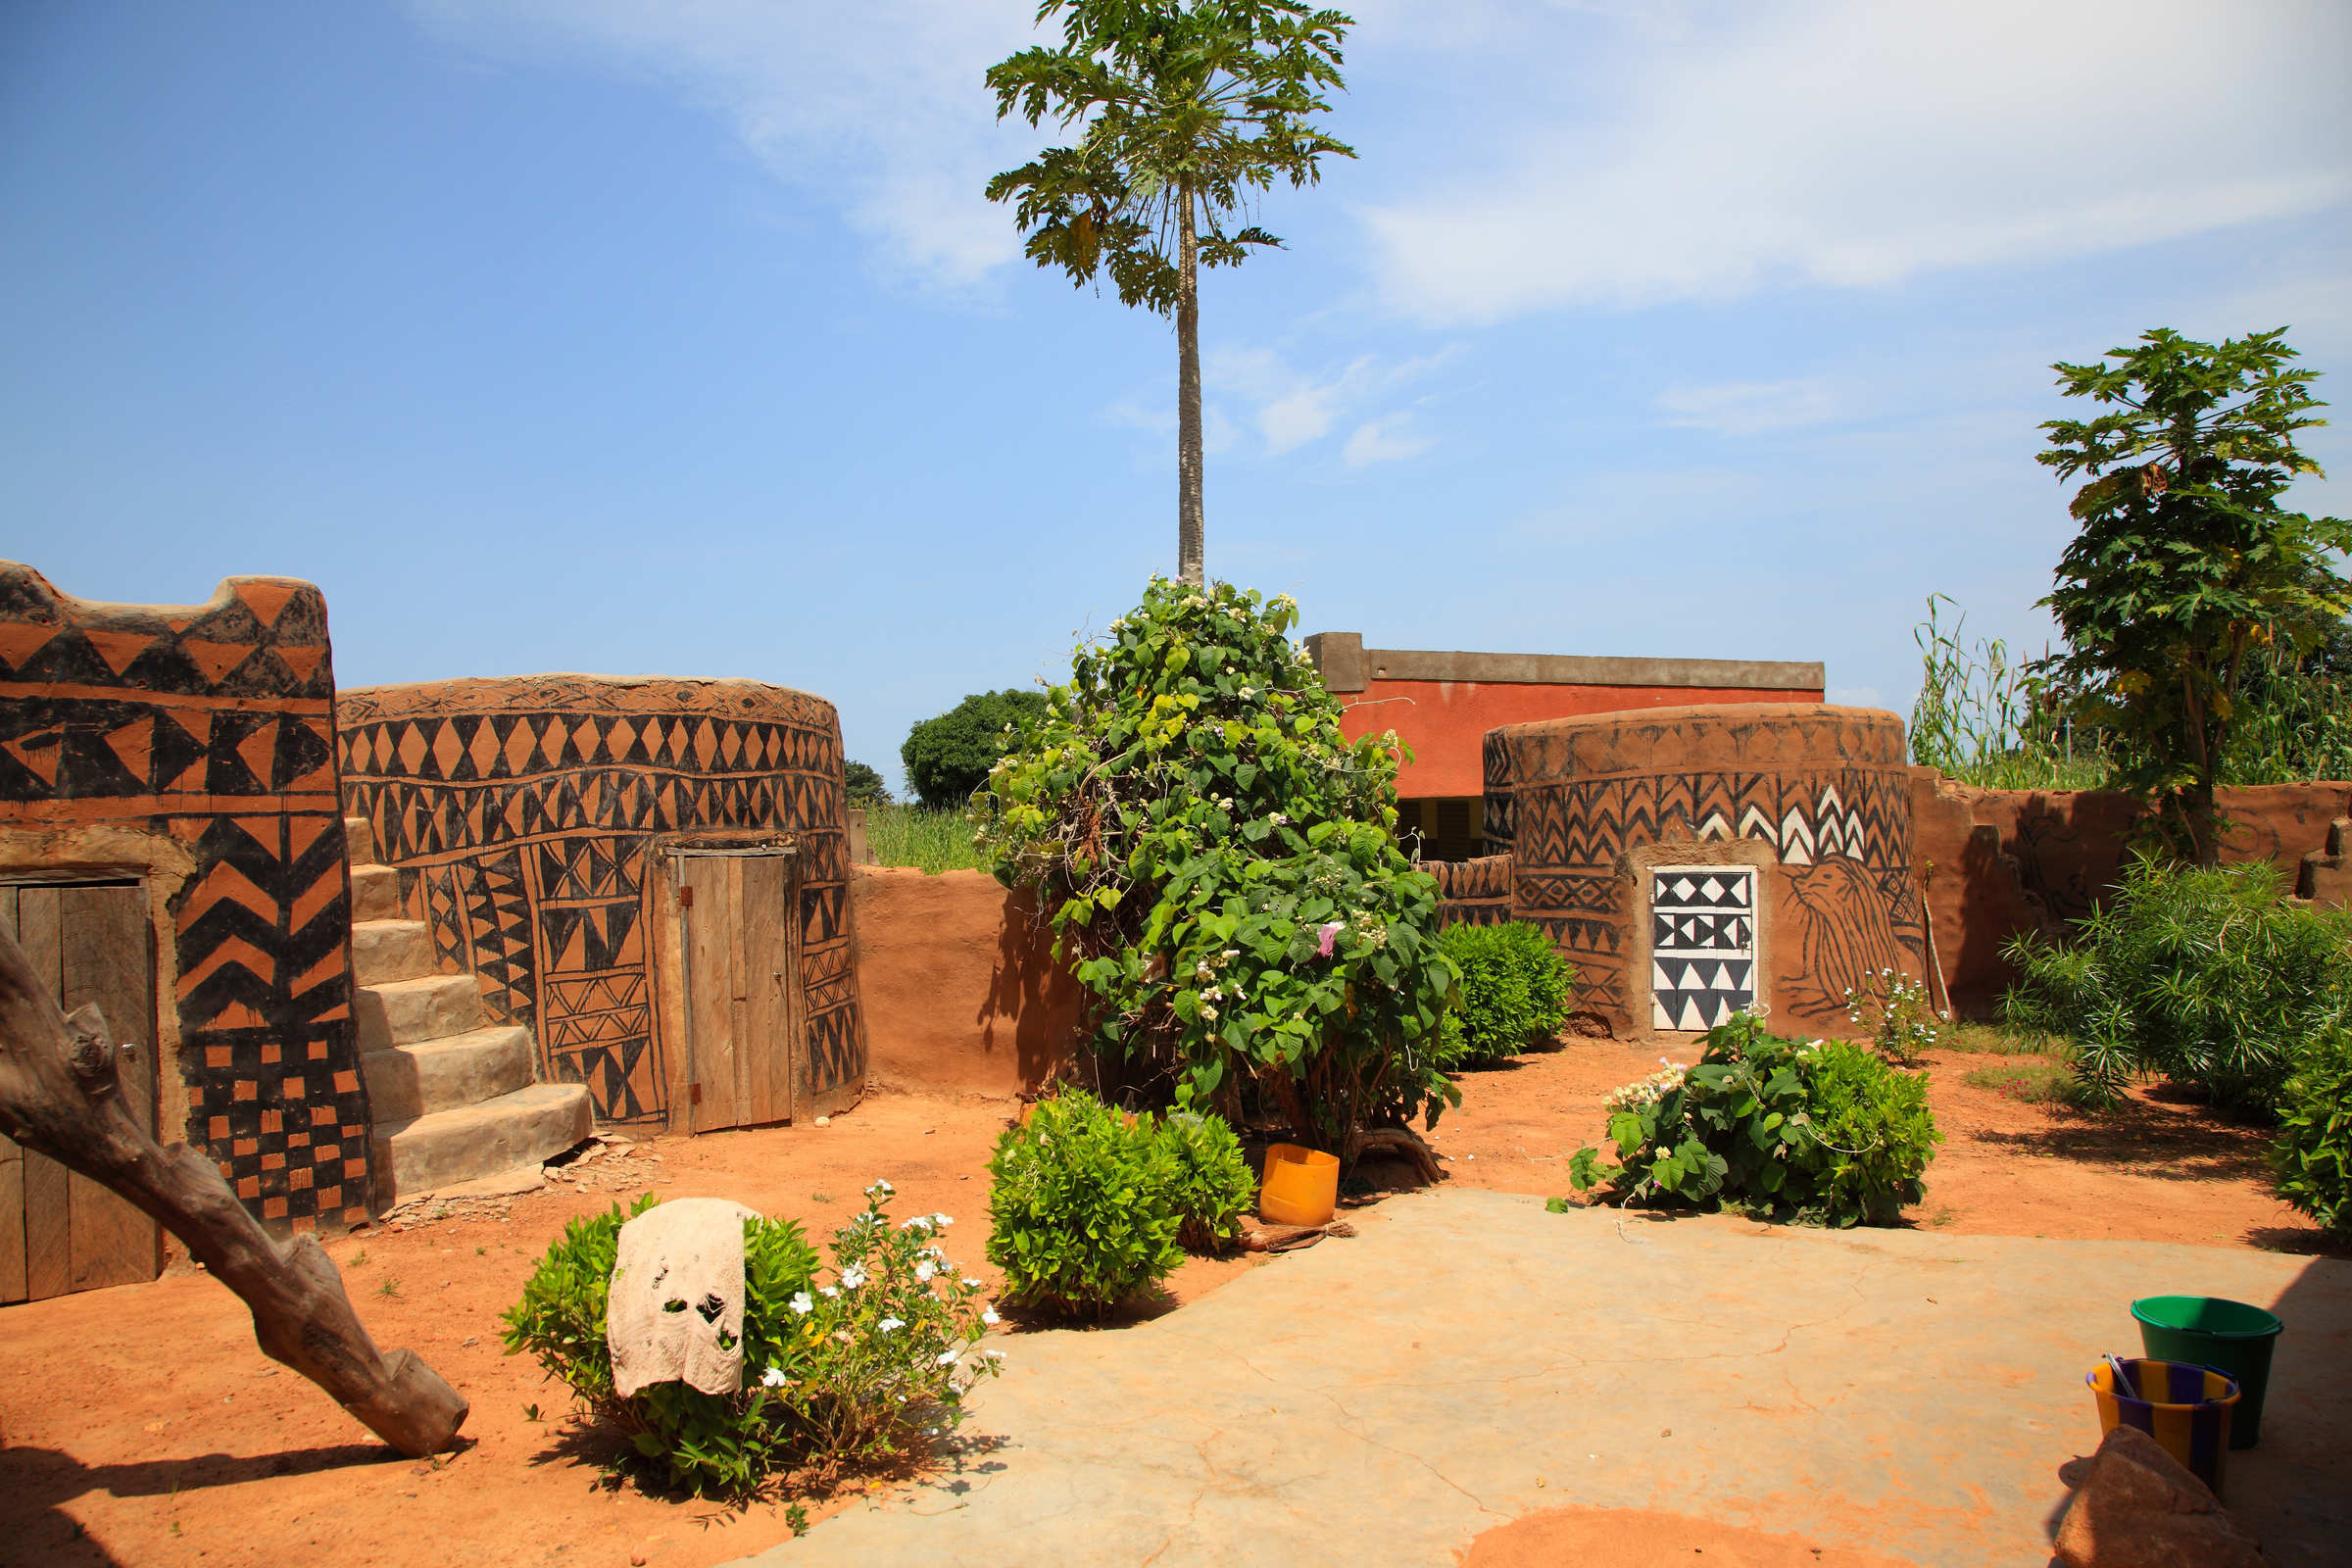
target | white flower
[
  {"x": 852, "y": 1277},
  {"x": 990, "y": 1317},
  {"x": 891, "y": 1325},
  {"x": 918, "y": 1223},
  {"x": 772, "y": 1378},
  {"x": 925, "y": 1269},
  {"x": 828, "y": 1291},
  {"x": 1232, "y": 953},
  {"x": 1279, "y": 820},
  {"x": 942, "y": 1221},
  {"x": 993, "y": 1356},
  {"x": 974, "y": 1284},
  {"x": 1249, "y": 692},
  {"x": 950, "y": 1357},
  {"x": 880, "y": 1186},
  {"x": 801, "y": 1302}
]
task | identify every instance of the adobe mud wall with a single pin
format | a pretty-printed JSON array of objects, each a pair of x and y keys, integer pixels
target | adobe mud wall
[
  {"x": 1792, "y": 820},
  {"x": 2006, "y": 861},
  {"x": 961, "y": 992},
  {"x": 521, "y": 813},
  {"x": 192, "y": 748}
]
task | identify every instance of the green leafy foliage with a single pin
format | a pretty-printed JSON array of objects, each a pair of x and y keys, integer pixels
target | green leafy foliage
[
  {"x": 1824, "y": 1132},
  {"x": 835, "y": 1376},
  {"x": 947, "y": 757},
  {"x": 1081, "y": 1213},
  {"x": 2203, "y": 976},
  {"x": 864, "y": 786},
  {"x": 2313, "y": 1155},
  {"x": 1210, "y": 1183},
  {"x": 1515, "y": 990},
  {"x": 917, "y": 836},
  {"x": 2185, "y": 567},
  {"x": 1222, "y": 870}
]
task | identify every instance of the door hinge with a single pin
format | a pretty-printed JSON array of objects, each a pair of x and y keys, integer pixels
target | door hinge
[
  {"x": 694, "y": 1093},
  {"x": 685, "y": 898}
]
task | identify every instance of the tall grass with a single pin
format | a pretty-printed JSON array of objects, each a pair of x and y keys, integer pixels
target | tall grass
[
  {"x": 915, "y": 835},
  {"x": 1988, "y": 719}
]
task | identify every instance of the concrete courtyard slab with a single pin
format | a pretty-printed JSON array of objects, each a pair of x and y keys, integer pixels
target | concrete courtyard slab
[{"x": 1469, "y": 1358}]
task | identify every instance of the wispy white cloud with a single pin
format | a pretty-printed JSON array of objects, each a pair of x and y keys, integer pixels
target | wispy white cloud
[
  {"x": 1748, "y": 408},
  {"x": 1857, "y": 697},
  {"x": 1292, "y": 407},
  {"x": 1690, "y": 151},
  {"x": 877, "y": 107},
  {"x": 1384, "y": 440}
]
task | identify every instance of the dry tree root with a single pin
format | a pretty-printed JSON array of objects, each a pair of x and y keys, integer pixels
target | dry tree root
[
  {"x": 60, "y": 1094},
  {"x": 1396, "y": 1140},
  {"x": 1292, "y": 1238}
]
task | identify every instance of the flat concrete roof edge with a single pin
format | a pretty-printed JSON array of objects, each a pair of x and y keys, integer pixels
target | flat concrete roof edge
[{"x": 1576, "y": 669}]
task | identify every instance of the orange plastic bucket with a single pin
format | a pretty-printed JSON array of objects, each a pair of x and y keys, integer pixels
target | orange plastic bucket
[{"x": 1302, "y": 1185}]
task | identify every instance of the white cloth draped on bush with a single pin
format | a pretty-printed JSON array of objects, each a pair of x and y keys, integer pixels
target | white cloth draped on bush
[{"x": 675, "y": 1312}]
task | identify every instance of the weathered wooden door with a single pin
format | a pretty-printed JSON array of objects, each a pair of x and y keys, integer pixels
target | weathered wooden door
[
  {"x": 741, "y": 970},
  {"x": 60, "y": 1231}
]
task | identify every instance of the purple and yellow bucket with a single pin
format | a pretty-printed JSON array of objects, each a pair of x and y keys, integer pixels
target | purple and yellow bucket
[{"x": 2191, "y": 1421}]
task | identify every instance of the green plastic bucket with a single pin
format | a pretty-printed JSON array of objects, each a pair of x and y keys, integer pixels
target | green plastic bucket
[{"x": 2229, "y": 1336}]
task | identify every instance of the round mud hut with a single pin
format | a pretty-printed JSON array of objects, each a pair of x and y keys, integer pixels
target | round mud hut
[
  {"x": 649, "y": 873},
  {"x": 1693, "y": 861}
]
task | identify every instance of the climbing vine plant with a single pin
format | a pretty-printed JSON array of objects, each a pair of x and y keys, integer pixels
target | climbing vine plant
[{"x": 1222, "y": 866}]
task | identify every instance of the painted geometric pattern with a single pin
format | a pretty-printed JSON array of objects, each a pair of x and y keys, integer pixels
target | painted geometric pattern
[
  {"x": 1703, "y": 945},
  {"x": 210, "y": 724},
  {"x": 1566, "y": 839},
  {"x": 1472, "y": 892},
  {"x": 538, "y": 819}
]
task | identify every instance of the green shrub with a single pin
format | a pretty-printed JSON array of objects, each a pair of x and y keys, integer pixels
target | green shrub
[
  {"x": 1211, "y": 1187},
  {"x": 2313, "y": 1156},
  {"x": 1222, "y": 866},
  {"x": 1515, "y": 990},
  {"x": 947, "y": 757},
  {"x": 2203, "y": 976},
  {"x": 1824, "y": 1132},
  {"x": 835, "y": 1376},
  {"x": 1081, "y": 1213}
]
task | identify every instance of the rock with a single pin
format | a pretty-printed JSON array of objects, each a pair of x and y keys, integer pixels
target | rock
[{"x": 2139, "y": 1507}]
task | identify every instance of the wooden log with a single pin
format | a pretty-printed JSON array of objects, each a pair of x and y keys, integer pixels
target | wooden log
[
  {"x": 60, "y": 1094},
  {"x": 1394, "y": 1140}
]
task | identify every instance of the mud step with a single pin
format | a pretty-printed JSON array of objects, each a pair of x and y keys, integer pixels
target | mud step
[
  {"x": 405, "y": 1082},
  {"x": 456, "y": 1146},
  {"x": 376, "y": 893},
  {"x": 407, "y": 1013},
  {"x": 359, "y": 841},
  {"x": 385, "y": 951}
]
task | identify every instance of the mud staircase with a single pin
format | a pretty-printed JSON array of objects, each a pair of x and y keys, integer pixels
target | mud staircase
[
  {"x": 2326, "y": 875},
  {"x": 454, "y": 1098}
]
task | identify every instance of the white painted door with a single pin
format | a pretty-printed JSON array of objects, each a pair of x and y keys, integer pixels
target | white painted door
[{"x": 1702, "y": 943}]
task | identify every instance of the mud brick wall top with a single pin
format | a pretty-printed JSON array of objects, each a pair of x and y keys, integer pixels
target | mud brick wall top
[
  {"x": 192, "y": 746},
  {"x": 521, "y": 810},
  {"x": 1814, "y": 798}
]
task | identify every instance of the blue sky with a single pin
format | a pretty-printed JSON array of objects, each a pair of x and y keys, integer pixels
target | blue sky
[{"x": 675, "y": 335}]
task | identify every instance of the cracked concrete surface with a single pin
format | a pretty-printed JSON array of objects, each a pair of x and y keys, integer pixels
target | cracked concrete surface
[{"x": 1470, "y": 1358}]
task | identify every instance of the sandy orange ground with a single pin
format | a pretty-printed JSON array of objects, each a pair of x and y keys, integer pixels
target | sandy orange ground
[{"x": 143, "y": 1427}]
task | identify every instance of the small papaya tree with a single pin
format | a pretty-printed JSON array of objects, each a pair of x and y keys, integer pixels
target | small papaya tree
[{"x": 1222, "y": 871}]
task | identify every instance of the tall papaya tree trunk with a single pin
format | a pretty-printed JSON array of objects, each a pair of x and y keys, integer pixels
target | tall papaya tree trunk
[{"x": 1190, "y": 527}]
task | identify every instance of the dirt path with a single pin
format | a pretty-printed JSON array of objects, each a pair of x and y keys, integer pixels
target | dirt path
[{"x": 143, "y": 1427}]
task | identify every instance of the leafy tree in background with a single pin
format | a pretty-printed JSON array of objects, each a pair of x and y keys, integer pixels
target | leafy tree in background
[
  {"x": 2186, "y": 568},
  {"x": 948, "y": 757},
  {"x": 1186, "y": 108},
  {"x": 864, "y": 785}
]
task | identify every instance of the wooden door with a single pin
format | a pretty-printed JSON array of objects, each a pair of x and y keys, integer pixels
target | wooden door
[
  {"x": 61, "y": 1231},
  {"x": 742, "y": 981}
]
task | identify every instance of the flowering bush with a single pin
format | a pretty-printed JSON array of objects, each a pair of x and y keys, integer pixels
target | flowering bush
[
  {"x": 1823, "y": 1131},
  {"x": 1083, "y": 1212},
  {"x": 1515, "y": 990},
  {"x": 1896, "y": 1009},
  {"x": 836, "y": 1375},
  {"x": 1222, "y": 868}
]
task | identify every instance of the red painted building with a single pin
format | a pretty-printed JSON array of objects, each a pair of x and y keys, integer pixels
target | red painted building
[{"x": 1441, "y": 704}]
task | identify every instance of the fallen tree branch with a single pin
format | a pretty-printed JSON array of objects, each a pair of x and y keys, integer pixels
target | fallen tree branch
[{"x": 59, "y": 1095}]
